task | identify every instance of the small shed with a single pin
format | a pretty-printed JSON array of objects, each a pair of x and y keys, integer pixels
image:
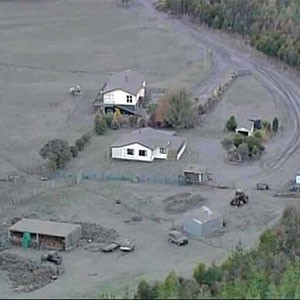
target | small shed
[
  {"x": 46, "y": 234},
  {"x": 196, "y": 174},
  {"x": 202, "y": 222}
]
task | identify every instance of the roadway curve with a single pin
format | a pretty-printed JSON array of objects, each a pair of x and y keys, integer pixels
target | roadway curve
[{"x": 226, "y": 58}]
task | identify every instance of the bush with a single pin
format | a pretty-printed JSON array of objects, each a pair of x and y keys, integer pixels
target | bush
[
  {"x": 238, "y": 139},
  {"x": 231, "y": 124},
  {"x": 115, "y": 123},
  {"x": 243, "y": 151},
  {"x": 132, "y": 121},
  {"x": 74, "y": 151},
  {"x": 108, "y": 119},
  {"x": 199, "y": 273},
  {"x": 142, "y": 123},
  {"x": 57, "y": 152},
  {"x": 275, "y": 124},
  {"x": 227, "y": 143},
  {"x": 86, "y": 137},
  {"x": 79, "y": 144},
  {"x": 100, "y": 125},
  {"x": 118, "y": 116}
]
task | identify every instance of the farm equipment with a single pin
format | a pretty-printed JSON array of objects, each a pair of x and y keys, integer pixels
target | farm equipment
[
  {"x": 75, "y": 90},
  {"x": 262, "y": 186},
  {"x": 52, "y": 256},
  {"x": 239, "y": 199}
]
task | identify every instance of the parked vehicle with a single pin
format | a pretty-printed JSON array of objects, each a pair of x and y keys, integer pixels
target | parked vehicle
[
  {"x": 52, "y": 256},
  {"x": 110, "y": 247},
  {"x": 262, "y": 186},
  {"x": 176, "y": 237},
  {"x": 127, "y": 245}
]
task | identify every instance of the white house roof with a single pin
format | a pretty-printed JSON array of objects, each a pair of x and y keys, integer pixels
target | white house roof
[
  {"x": 242, "y": 129},
  {"x": 128, "y": 80},
  {"x": 150, "y": 138},
  {"x": 59, "y": 229}
]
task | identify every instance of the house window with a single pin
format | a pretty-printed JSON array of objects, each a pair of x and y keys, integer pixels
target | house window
[
  {"x": 162, "y": 150},
  {"x": 129, "y": 98},
  {"x": 130, "y": 151},
  {"x": 142, "y": 153}
]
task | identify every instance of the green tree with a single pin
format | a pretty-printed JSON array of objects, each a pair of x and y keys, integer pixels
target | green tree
[
  {"x": 180, "y": 112},
  {"x": 100, "y": 125},
  {"x": 143, "y": 291},
  {"x": 199, "y": 273},
  {"x": 231, "y": 124},
  {"x": 275, "y": 124},
  {"x": 170, "y": 288},
  {"x": 57, "y": 152},
  {"x": 118, "y": 116},
  {"x": 238, "y": 139},
  {"x": 115, "y": 123}
]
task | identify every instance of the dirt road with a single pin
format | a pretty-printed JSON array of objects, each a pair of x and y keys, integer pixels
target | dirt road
[{"x": 225, "y": 58}]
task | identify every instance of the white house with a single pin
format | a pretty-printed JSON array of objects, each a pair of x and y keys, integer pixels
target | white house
[
  {"x": 124, "y": 90},
  {"x": 146, "y": 144},
  {"x": 248, "y": 128}
]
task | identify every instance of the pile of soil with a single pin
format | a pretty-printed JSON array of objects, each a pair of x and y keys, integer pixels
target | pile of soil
[
  {"x": 96, "y": 233},
  {"x": 26, "y": 275},
  {"x": 181, "y": 203}
]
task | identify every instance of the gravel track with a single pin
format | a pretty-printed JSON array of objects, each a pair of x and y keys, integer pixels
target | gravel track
[{"x": 224, "y": 59}]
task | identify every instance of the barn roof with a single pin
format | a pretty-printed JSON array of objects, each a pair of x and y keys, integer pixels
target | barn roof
[
  {"x": 127, "y": 80},
  {"x": 150, "y": 138},
  {"x": 59, "y": 229}
]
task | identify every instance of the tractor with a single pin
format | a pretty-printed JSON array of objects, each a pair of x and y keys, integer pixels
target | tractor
[{"x": 240, "y": 198}]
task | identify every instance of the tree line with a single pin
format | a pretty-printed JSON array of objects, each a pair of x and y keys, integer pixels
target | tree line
[{"x": 271, "y": 26}]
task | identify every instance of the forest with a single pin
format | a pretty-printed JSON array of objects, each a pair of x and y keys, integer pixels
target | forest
[
  {"x": 271, "y": 26},
  {"x": 269, "y": 271}
]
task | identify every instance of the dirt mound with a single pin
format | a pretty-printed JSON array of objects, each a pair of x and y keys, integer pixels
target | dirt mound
[
  {"x": 180, "y": 203},
  {"x": 97, "y": 233},
  {"x": 26, "y": 275}
]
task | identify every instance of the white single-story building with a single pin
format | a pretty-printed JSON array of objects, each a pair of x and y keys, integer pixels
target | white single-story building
[
  {"x": 249, "y": 127},
  {"x": 202, "y": 222},
  {"x": 123, "y": 90},
  {"x": 146, "y": 144},
  {"x": 196, "y": 174}
]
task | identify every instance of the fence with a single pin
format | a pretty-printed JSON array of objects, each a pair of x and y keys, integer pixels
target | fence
[{"x": 104, "y": 175}]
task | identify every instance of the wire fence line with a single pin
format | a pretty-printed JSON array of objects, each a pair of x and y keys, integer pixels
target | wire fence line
[{"x": 105, "y": 175}]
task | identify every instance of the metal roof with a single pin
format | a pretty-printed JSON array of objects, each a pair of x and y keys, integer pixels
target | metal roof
[
  {"x": 150, "y": 138},
  {"x": 128, "y": 80},
  {"x": 194, "y": 168},
  {"x": 202, "y": 215},
  {"x": 59, "y": 229}
]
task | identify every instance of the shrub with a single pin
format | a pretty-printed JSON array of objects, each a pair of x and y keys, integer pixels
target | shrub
[
  {"x": 238, "y": 139},
  {"x": 199, "y": 273},
  {"x": 108, "y": 119},
  {"x": 227, "y": 143},
  {"x": 79, "y": 144},
  {"x": 86, "y": 137},
  {"x": 132, "y": 121},
  {"x": 57, "y": 152},
  {"x": 100, "y": 125},
  {"x": 243, "y": 151},
  {"x": 258, "y": 135},
  {"x": 118, "y": 116},
  {"x": 74, "y": 151},
  {"x": 142, "y": 123},
  {"x": 275, "y": 124},
  {"x": 231, "y": 124},
  {"x": 115, "y": 123}
]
